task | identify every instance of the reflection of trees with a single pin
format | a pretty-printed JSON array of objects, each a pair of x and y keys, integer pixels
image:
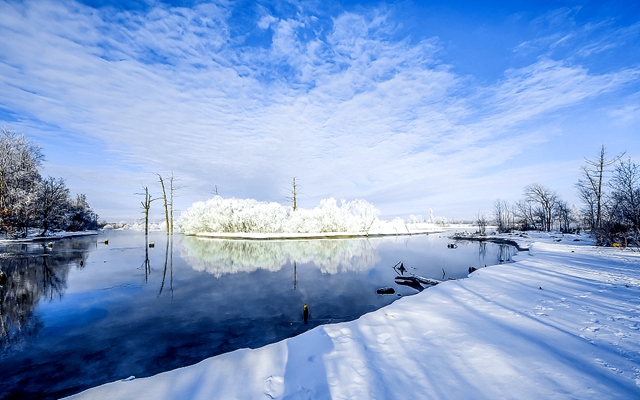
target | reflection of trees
[
  {"x": 168, "y": 261},
  {"x": 482, "y": 250},
  {"x": 505, "y": 252},
  {"x": 219, "y": 257},
  {"x": 146, "y": 264},
  {"x": 33, "y": 272}
]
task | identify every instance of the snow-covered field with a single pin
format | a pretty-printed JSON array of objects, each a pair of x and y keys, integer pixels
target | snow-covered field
[{"x": 561, "y": 322}]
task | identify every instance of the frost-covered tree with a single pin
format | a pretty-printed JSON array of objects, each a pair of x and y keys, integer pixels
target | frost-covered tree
[
  {"x": 54, "y": 205},
  {"x": 19, "y": 181},
  {"x": 81, "y": 216},
  {"x": 26, "y": 199},
  {"x": 249, "y": 215}
]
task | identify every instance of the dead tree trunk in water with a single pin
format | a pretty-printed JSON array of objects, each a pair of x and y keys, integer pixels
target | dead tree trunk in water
[
  {"x": 166, "y": 208},
  {"x": 146, "y": 205}
]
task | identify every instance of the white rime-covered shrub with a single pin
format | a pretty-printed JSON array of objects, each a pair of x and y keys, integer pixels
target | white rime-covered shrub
[{"x": 252, "y": 216}]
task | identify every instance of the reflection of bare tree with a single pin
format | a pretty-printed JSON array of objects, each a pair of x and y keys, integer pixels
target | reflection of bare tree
[
  {"x": 33, "y": 272},
  {"x": 146, "y": 264},
  {"x": 505, "y": 252},
  {"x": 219, "y": 257},
  {"x": 482, "y": 250},
  {"x": 168, "y": 261},
  {"x": 52, "y": 284}
]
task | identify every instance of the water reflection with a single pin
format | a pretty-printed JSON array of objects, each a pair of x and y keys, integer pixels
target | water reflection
[
  {"x": 168, "y": 262},
  {"x": 116, "y": 314},
  {"x": 220, "y": 257},
  {"x": 33, "y": 272},
  {"x": 505, "y": 253}
]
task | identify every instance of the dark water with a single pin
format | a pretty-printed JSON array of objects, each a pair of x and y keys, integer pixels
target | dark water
[{"x": 83, "y": 313}]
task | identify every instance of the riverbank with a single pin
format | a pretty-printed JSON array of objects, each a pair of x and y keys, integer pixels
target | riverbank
[
  {"x": 51, "y": 237},
  {"x": 563, "y": 321}
]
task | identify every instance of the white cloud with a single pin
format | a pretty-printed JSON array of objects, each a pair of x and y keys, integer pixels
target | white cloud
[
  {"x": 266, "y": 21},
  {"x": 349, "y": 111}
]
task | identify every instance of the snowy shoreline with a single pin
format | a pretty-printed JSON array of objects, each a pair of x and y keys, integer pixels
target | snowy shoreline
[
  {"x": 563, "y": 321},
  {"x": 55, "y": 236},
  {"x": 308, "y": 236}
]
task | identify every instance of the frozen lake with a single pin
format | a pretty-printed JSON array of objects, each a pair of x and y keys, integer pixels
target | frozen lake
[{"x": 83, "y": 313}]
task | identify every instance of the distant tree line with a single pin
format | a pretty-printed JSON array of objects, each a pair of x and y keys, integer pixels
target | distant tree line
[
  {"x": 610, "y": 193},
  {"x": 28, "y": 201},
  {"x": 540, "y": 209}
]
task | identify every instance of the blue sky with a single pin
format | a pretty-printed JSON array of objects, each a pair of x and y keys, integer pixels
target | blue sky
[{"x": 409, "y": 105}]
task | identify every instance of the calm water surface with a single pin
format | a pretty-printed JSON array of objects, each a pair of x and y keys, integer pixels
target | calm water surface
[{"x": 83, "y": 313}]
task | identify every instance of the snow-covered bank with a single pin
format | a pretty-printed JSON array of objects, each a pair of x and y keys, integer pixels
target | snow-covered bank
[
  {"x": 561, "y": 322},
  {"x": 407, "y": 230},
  {"x": 49, "y": 237}
]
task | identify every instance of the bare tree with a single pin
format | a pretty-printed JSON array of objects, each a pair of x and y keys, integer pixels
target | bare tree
[
  {"x": 146, "y": 206},
  {"x": 172, "y": 189},
  {"x": 546, "y": 200},
  {"x": 524, "y": 211},
  {"x": 625, "y": 183},
  {"x": 563, "y": 213},
  {"x": 166, "y": 208},
  {"x": 481, "y": 221},
  {"x": 168, "y": 202},
  {"x": 503, "y": 215},
  {"x": 294, "y": 194},
  {"x": 590, "y": 188}
]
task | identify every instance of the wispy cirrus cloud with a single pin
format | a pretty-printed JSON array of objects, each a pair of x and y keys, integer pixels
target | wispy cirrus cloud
[{"x": 334, "y": 99}]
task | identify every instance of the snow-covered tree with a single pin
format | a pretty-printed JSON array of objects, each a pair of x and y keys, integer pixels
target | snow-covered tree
[
  {"x": 53, "y": 205},
  {"x": 81, "y": 216},
  {"x": 26, "y": 199},
  {"x": 249, "y": 215}
]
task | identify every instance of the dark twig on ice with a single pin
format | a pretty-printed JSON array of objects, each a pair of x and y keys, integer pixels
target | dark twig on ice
[{"x": 400, "y": 270}]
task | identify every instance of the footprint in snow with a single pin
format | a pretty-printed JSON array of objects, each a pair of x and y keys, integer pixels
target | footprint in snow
[
  {"x": 606, "y": 365},
  {"x": 274, "y": 386},
  {"x": 383, "y": 338}
]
